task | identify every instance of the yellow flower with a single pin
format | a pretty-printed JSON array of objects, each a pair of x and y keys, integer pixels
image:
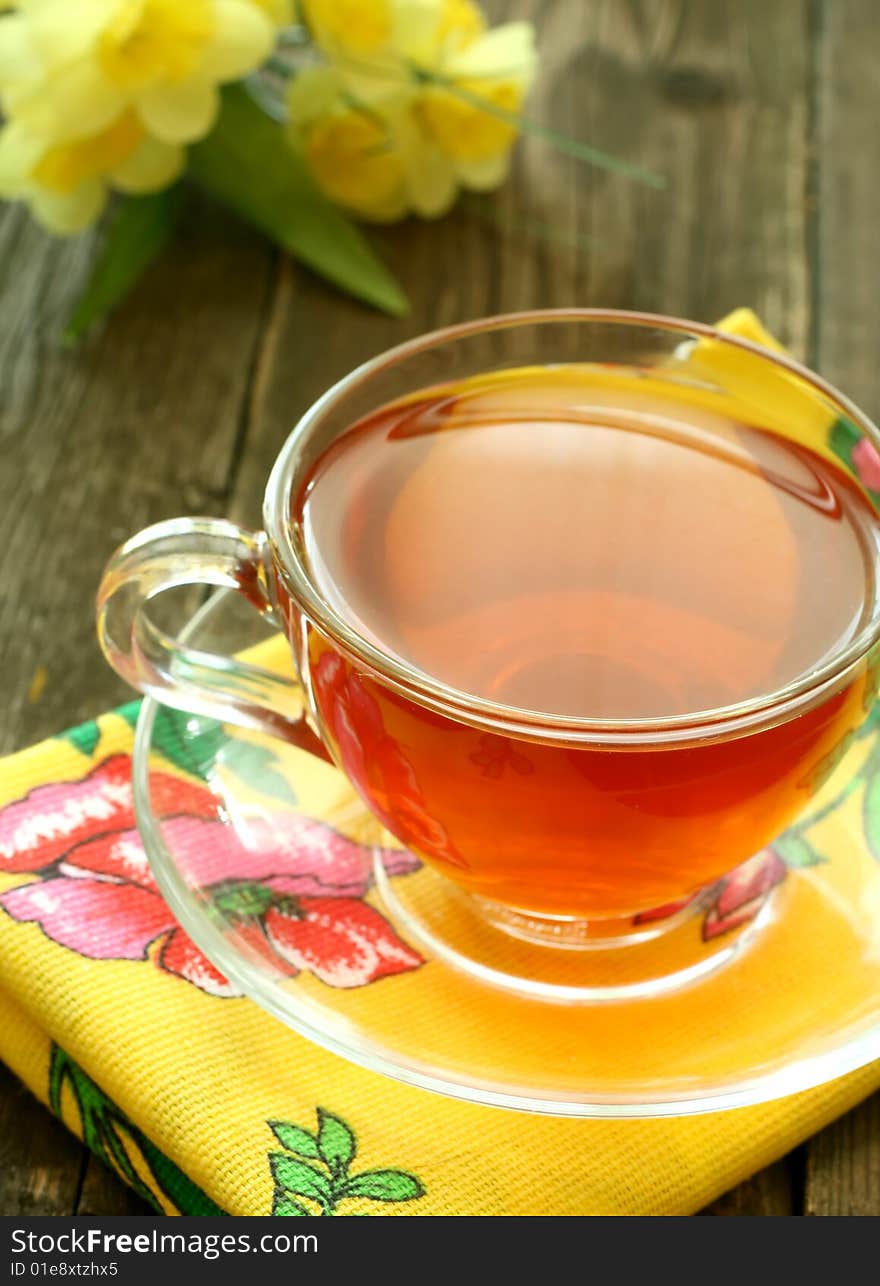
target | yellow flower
[
  {"x": 66, "y": 183},
  {"x": 386, "y": 38},
  {"x": 280, "y": 12},
  {"x": 70, "y": 68},
  {"x": 383, "y": 140}
]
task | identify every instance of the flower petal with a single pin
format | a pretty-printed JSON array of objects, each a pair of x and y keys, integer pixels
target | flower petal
[
  {"x": 243, "y": 38},
  {"x": 430, "y": 178},
  {"x": 181, "y": 956},
  {"x": 74, "y": 102},
  {"x": 310, "y": 857},
  {"x": 506, "y": 52},
  {"x": 18, "y": 58},
  {"x": 484, "y": 175},
  {"x": 59, "y": 38},
  {"x": 742, "y": 894},
  {"x": 866, "y": 459},
  {"x": 19, "y": 153},
  {"x": 343, "y": 942},
  {"x": 181, "y": 112},
  {"x": 153, "y": 165},
  {"x": 53, "y": 819},
  {"x": 100, "y": 920},
  {"x": 66, "y": 213},
  {"x": 119, "y": 856}
]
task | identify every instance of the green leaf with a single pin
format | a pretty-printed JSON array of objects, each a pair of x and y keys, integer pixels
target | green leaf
[
  {"x": 130, "y": 712},
  {"x": 843, "y": 438},
  {"x": 384, "y": 1185},
  {"x": 256, "y": 767},
  {"x": 871, "y": 814},
  {"x": 248, "y": 163},
  {"x": 103, "y": 1128},
  {"x": 189, "y": 741},
  {"x": 336, "y": 1142},
  {"x": 300, "y": 1179},
  {"x": 563, "y": 143},
  {"x": 137, "y": 236},
  {"x": 282, "y": 1205},
  {"x": 294, "y": 1138},
  {"x": 796, "y": 851},
  {"x": 243, "y": 899},
  {"x": 85, "y": 737}
]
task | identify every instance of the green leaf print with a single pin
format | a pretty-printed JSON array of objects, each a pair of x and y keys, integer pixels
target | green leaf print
[
  {"x": 257, "y": 767},
  {"x": 335, "y": 1142},
  {"x": 84, "y": 737},
  {"x": 796, "y": 850},
  {"x": 287, "y": 1206},
  {"x": 300, "y": 1179},
  {"x": 871, "y": 813},
  {"x": 328, "y": 1184},
  {"x": 384, "y": 1185},
  {"x": 189, "y": 741},
  {"x": 130, "y": 712},
  {"x": 843, "y": 439},
  {"x": 109, "y": 1133},
  {"x": 295, "y": 1139}
]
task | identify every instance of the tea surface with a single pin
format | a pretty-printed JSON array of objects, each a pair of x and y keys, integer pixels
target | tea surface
[{"x": 563, "y": 541}]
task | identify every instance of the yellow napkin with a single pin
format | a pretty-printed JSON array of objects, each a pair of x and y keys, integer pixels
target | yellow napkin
[{"x": 205, "y": 1104}]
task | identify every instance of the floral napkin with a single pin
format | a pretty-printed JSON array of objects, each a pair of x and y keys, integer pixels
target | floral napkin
[{"x": 205, "y": 1104}]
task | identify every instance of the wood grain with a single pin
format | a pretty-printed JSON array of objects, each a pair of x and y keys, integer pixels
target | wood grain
[
  {"x": 40, "y": 1162},
  {"x": 775, "y": 1191},
  {"x": 843, "y": 1165},
  {"x": 843, "y": 1162},
  {"x": 103, "y": 1193},
  {"x": 142, "y": 422}
]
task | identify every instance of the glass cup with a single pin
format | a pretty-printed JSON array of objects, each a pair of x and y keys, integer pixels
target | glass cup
[{"x": 559, "y": 829}]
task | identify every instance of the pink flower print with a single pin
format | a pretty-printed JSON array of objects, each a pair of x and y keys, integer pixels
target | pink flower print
[
  {"x": 292, "y": 886},
  {"x": 866, "y": 459}
]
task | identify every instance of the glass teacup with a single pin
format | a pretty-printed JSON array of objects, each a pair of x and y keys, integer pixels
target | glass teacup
[{"x": 565, "y": 825}]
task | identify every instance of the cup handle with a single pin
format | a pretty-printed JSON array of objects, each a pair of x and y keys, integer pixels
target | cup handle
[{"x": 198, "y": 551}]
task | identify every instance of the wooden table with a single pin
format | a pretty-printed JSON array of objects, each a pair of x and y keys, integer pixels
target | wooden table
[{"x": 763, "y": 118}]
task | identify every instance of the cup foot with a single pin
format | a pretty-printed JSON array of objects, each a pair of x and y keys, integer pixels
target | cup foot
[{"x": 565, "y": 959}]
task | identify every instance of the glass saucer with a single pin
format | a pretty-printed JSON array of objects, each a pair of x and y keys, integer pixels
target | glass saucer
[{"x": 292, "y": 890}]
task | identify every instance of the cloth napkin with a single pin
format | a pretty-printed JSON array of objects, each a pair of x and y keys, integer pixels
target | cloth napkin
[{"x": 205, "y": 1104}]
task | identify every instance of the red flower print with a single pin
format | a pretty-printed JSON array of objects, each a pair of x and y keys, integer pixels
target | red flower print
[
  {"x": 866, "y": 459},
  {"x": 736, "y": 898},
  {"x": 292, "y": 886},
  {"x": 740, "y": 895},
  {"x": 374, "y": 762},
  {"x": 37, "y": 830}
]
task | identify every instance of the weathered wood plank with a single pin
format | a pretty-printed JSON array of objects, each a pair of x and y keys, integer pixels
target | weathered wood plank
[
  {"x": 40, "y": 1162},
  {"x": 140, "y": 423},
  {"x": 843, "y": 1165},
  {"x": 775, "y": 1191},
  {"x": 104, "y": 1193},
  {"x": 843, "y": 1162}
]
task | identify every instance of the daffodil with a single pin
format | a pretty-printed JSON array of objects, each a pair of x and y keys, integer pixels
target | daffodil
[
  {"x": 70, "y": 69},
  {"x": 66, "y": 184},
  {"x": 388, "y": 32},
  {"x": 428, "y": 107}
]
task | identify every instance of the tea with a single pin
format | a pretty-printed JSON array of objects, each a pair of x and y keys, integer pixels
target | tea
[{"x": 560, "y": 541}]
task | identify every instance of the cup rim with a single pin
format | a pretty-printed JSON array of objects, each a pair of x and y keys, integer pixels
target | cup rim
[{"x": 426, "y": 690}]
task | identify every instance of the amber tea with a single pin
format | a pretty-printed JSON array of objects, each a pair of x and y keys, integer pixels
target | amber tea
[{"x": 586, "y": 544}]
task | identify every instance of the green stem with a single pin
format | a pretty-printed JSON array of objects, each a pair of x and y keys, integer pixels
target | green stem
[{"x": 561, "y": 142}]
